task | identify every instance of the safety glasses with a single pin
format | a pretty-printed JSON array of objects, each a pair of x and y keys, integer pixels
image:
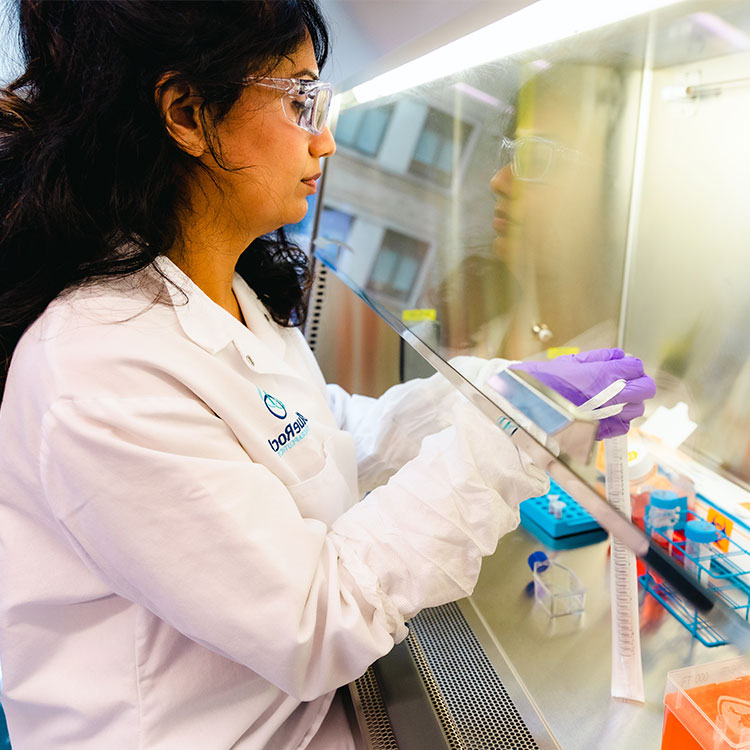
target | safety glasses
[
  {"x": 532, "y": 158},
  {"x": 305, "y": 102}
]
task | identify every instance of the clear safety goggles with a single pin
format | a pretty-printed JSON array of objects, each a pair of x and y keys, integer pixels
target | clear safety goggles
[
  {"x": 531, "y": 157},
  {"x": 305, "y": 102}
]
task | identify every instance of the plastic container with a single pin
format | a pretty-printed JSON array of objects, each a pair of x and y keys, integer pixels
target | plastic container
[
  {"x": 699, "y": 538},
  {"x": 556, "y": 588},
  {"x": 644, "y": 477},
  {"x": 707, "y": 707},
  {"x": 556, "y": 506},
  {"x": 662, "y": 514},
  {"x": 685, "y": 488}
]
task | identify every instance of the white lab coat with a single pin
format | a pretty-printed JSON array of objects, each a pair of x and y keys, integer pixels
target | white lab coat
[{"x": 185, "y": 565}]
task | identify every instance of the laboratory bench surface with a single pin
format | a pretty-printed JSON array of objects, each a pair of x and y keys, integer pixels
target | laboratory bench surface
[{"x": 558, "y": 670}]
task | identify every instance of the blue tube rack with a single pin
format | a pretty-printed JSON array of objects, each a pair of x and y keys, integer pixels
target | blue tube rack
[
  {"x": 729, "y": 572},
  {"x": 575, "y": 528}
]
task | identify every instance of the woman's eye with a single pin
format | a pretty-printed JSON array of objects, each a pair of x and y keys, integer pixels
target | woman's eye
[{"x": 301, "y": 104}]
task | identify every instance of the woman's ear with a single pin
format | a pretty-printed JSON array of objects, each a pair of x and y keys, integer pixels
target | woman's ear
[{"x": 180, "y": 107}]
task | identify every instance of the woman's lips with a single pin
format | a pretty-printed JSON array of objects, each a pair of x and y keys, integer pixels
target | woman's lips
[
  {"x": 312, "y": 182},
  {"x": 502, "y": 222}
]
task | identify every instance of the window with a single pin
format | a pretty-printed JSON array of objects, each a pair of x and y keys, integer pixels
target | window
[
  {"x": 301, "y": 232},
  {"x": 363, "y": 128},
  {"x": 335, "y": 224},
  {"x": 434, "y": 155},
  {"x": 397, "y": 265}
]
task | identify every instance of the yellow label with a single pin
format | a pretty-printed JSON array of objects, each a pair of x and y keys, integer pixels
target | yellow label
[
  {"x": 722, "y": 523},
  {"x": 558, "y": 351},
  {"x": 413, "y": 316}
]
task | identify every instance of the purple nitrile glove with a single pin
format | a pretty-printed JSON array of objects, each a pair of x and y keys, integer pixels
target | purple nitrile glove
[{"x": 580, "y": 378}]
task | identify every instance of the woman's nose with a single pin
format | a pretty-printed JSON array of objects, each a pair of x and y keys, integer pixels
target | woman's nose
[
  {"x": 323, "y": 144},
  {"x": 502, "y": 181}
]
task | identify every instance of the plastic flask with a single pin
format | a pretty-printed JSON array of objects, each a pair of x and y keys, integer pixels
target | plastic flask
[
  {"x": 557, "y": 588},
  {"x": 662, "y": 515},
  {"x": 699, "y": 538}
]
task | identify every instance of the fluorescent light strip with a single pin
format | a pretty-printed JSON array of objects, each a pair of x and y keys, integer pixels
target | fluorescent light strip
[{"x": 541, "y": 23}]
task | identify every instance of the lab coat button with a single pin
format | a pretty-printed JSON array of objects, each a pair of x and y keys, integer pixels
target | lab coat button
[{"x": 250, "y": 360}]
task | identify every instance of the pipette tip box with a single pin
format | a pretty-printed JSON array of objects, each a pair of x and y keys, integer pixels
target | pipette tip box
[
  {"x": 707, "y": 707},
  {"x": 575, "y": 527}
]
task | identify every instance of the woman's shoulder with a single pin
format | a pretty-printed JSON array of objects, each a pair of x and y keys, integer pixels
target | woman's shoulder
[
  {"x": 87, "y": 333},
  {"x": 104, "y": 307}
]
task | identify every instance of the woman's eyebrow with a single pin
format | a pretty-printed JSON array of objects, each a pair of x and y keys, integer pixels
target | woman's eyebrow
[{"x": 305, "y": 72}]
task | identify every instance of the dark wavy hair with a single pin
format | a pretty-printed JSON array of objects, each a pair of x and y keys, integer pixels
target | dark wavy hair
[{"x": 87, "y": 167}]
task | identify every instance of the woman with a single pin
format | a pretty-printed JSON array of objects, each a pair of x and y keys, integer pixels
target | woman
[{"x": 185, "y": 563}]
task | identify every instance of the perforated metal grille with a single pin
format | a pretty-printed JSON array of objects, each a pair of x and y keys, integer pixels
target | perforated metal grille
[
  {"x": 315, "y": 305},
  {"x": 471, "y": 702},
  {"x": 370, "y": 710}
]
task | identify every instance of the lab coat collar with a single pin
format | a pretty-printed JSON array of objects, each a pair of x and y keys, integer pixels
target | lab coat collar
[{"x": 213, "y": 328}]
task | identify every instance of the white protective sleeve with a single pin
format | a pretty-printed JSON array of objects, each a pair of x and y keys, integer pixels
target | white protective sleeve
[
  {"x": 389, "y": 430},
  {"x": 424, "y": 533}
]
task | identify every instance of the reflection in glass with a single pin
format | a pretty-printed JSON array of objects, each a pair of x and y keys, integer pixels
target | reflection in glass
[
  {"x": 396, "y": 265},
  {"x": 441, "y": 141},
  {"x": 335, "y": 224},
  {"x": 532, "y": 158},
  {"x": 542, "y": 195},
  {"x": 363, "y": 129}
]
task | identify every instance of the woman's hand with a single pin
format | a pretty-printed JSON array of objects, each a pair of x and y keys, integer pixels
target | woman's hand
[{"x": 610, "y": 383}]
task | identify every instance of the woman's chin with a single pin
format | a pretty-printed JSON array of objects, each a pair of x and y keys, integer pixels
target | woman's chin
[{"x": 295, "y": 217}]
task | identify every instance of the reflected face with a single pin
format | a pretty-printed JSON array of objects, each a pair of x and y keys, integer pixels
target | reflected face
[
  {"x": 545, "y": 189},
  {"x": 520, "y": 189},
  {"x": 531, "y": 163},
  {"x": 551, "y": 215},
  {"x": 504, "y": 222}
]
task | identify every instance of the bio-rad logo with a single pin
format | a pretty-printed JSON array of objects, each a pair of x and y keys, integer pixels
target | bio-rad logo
[
  {"x": 294, "y": 431},
  {"x": 273, "y": 404}
]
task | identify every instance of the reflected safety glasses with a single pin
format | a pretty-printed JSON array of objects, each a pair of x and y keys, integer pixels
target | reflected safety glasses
[
  {"x": 305, "y": 102},
  {"x": 531, "y": 157}
]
